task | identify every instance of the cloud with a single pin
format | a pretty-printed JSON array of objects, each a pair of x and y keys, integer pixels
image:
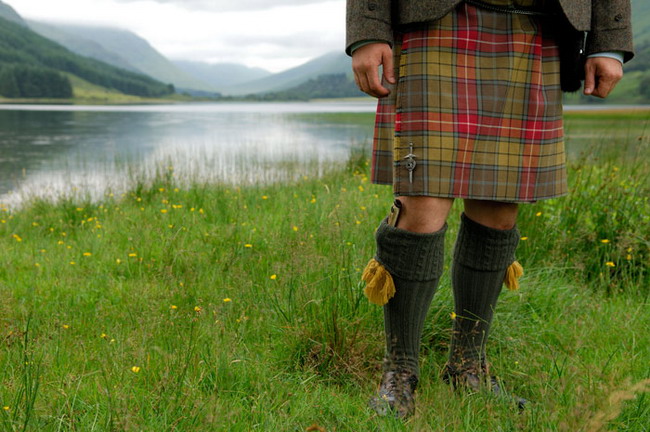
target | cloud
[
  {"x": 231, "y": 5},
  {"x": 285, "y": 34}
]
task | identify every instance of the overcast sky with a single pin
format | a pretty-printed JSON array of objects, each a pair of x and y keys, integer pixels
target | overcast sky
[{"x": 272, "y": 34}]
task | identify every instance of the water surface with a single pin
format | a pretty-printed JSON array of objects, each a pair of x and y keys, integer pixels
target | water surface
[{"x": 54, "y": 150}]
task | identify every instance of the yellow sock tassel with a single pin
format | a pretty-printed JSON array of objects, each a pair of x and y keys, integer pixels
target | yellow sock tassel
[
  {"x": 379, "y": 283},
  {"x": 513, "y": 273}
]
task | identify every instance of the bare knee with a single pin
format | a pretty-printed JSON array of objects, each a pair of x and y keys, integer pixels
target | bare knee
[
  {"x": 423, "y": 214},
  {"x": 493, "y": 214}
]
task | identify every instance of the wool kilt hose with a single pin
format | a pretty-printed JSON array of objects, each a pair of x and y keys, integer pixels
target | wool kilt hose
[{"x": 476, "y": 112}]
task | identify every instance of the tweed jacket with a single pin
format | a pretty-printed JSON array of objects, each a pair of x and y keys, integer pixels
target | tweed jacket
[{"x": 606, "y": 21}]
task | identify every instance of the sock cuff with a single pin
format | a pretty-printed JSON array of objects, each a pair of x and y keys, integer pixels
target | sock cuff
[
  {"x": 408, "y": 255},
  {"x": 483, "y": 248}
]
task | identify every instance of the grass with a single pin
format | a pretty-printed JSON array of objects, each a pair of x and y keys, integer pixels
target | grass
[{"x": 211, "y": 307}]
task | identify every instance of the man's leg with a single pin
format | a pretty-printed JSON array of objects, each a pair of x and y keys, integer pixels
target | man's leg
[
  {"x": 412, "y": 252},
  {"x": 484, "y": 250}
]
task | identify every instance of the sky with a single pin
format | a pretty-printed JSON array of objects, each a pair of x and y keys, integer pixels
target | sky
[{"x": 272, "y": 34}]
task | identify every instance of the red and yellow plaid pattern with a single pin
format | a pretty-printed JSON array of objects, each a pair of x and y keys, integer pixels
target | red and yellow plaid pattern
[{"x": 478, "y": 106}]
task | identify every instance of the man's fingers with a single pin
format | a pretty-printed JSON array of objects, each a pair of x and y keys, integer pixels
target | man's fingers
[
  {"x": 603, "y": 88},
  {"x": 362, "y": 82},
  {"x": 376, "y": 89}
]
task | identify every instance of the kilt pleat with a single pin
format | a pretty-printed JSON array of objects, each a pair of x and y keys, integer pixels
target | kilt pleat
[{"x": 476, "y": 112}]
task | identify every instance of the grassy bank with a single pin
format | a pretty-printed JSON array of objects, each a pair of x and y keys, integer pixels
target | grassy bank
[{"x": 217, "y": 308}]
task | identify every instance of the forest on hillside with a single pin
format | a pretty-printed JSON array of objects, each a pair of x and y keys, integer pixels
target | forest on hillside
[{"x": 33, "y": 65}]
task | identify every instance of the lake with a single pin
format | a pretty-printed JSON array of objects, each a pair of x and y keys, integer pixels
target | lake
[
  {"x": 49, "y": 150},
  {"x": 53, "y": 150}
]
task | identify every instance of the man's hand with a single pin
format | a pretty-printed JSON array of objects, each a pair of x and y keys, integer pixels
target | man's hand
[
  {"x": 365, "y": 64},
  {"x": 601, "y": 75}
]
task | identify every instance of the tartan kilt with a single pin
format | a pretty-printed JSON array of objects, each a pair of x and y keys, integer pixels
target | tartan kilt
[{"x": 476, "y": 112}]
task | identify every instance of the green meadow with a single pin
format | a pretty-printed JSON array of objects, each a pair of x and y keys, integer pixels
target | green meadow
[{"x": 208, "y": 307}]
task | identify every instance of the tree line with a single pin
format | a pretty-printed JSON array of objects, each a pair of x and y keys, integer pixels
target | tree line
[
  {"x": 21, "y": 81},
  {"x": 322, "y": 87}
]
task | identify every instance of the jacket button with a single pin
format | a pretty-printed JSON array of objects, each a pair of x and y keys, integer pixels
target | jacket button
[
  {"x": 372, "y": 6},
  {"x": 618, "y": 17}
]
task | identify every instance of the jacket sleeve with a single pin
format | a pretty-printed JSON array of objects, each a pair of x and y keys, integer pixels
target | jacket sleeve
[
  {"x": 368, "y": 20},
  {"x": 611, "y": 28}
]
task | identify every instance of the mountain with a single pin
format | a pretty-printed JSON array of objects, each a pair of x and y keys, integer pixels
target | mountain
[
  {"x": 323, "y": 87},
  {"x": 8, "y": 13},
  {"x": 120, "y": 48},
  {"x": 31, "y": 65},
  {"x": 221, "y": 75},
  {"x": 81, "y": 46},
  {"x": 328, "y": 64}
]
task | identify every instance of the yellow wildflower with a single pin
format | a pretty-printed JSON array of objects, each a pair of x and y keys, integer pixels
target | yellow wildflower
[
  {"x": 248, "y": 245},
  {"x": 538, "y": 214},
  {"x": 610, "y": 264},
  {"x": 227, "y": 300},
  {"x": 264, "y": 197},
  {"x": 135, "y": 369},
  {"x": 163, "y": 211},
  {"x": 453, "y": 315},
  {"x": 197, "y": 308},
  {"x": 173, "y": 307},
  {"x": 295, "y": 228},
  {"x": 524, "y": 238},
  {"x": 17, "y": 237},
  {"x": 66, "y": 326},
  {"x": 87, "y": 254},
  {"x": 274, "y": 277},
  {"x": 604, "y": 241}
]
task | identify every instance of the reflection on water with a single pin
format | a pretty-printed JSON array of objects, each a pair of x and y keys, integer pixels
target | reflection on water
[{"x": 49, "y": 151}]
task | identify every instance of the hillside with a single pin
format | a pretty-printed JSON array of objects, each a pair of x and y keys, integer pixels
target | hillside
[
  {"x": 222, "y": 75},
  {"x": 10, "y": 14},
  {"x": 81, "y": 46},
  {"x": 21, "y": 47},
  {"x": 120, "y": 48},
  {"x": 328, "y": 64},
  {"x": 641, "y": 20},
  {"x": 322, "y": 87}
]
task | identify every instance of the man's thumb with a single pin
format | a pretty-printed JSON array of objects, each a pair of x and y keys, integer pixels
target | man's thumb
[{"x": 590, "y": 80}]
